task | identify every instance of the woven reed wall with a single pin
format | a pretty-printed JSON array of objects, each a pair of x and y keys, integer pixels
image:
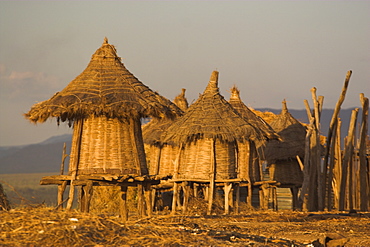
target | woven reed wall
[
  {"x": 286, "y": 172},
  {"x": 162, "y": 161},
  {"x": 109, "y": 146},
  {"x": 248, "y": 160},
  {"x": 195, "y": 160}
]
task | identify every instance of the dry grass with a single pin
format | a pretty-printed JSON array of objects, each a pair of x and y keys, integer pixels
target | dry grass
[{"x": 42, "y": 226}]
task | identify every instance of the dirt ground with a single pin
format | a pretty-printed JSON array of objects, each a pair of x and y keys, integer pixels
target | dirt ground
[{"x": 44, "y": 226}]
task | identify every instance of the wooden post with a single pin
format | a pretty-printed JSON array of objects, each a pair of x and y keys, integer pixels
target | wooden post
[
  {"x": 347, "y": 159},
  {"x": 79, "y": 126},
  {"x": 61, "y": 189},
  {"x": 186, "y": 189},
  {"x": 64, "y": 156},
  {"x": 363, "y": 170},
  {"x": 86, "y": 193},
  {"x": 148, "y": 199},
  {"x": 332, "y": 129},
  {"x": 123, "y": 208},
  {"x": 227, "y": 189},
  {"x": 140, "y": 200},
  {"x": 237, "y": 198},
  {"x": 175, "y": 185},
  {"x": 338, "y": 165},
  {"x": 331, "y": 170},
  {"x": 317, "y": 154},
  {"x": 211, "y": 178},
  {"x": 294, "y": 191}
]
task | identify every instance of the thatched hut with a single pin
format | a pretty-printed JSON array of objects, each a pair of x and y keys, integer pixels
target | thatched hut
[
  {"x": 105, "y": 104},
  {"x": 282, "y": 155},
  {"x": 161, "y": 156},
  {"x": 208, "y": 135},
  {"x": 260, "y": 126}
]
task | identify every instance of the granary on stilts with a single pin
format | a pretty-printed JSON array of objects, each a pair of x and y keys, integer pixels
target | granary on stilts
[
  {"x": 161, "y": 156},
  {"x": 105, "y": 104},
  {"x": 208, "y": 136},
  {"x": 281, "y": 156},
  {"x": 251, "y": 154}
]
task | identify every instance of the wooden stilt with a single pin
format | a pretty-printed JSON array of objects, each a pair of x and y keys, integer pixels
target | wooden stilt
[
  {"x": 174, "y": 198},
  {"x": 61, "y": 189},
  {"x": 86, "y": 192},
  {"x": 212, "y": 178},
  {"x": 274, "y": 198},
  {"x": 148, "y": 199},
  {"x": 79, "y": 126},
  {"x": 237, "y": 198},
  {"x": 227, "y": 189},
  {"x": 123, "y": 208},
  {"x": 140, "y": 200},
  {"x": 363, "y": 170},
  {"x": 186, "y": 190},
  {"x": 294, "y": 191}
]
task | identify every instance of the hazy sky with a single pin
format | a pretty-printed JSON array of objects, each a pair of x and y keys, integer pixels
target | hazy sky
[{"x": 271, "y": 50}]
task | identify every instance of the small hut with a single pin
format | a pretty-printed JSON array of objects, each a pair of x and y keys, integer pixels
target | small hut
[
  {"x": 162, "y": 156},
  {"x": 250, "y": 154},
  {"x": 208, "y": 135},
  {"x": 105, "y": 104},
  {"x": 282, "y": 155}
]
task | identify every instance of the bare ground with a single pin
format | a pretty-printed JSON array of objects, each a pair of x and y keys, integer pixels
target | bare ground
[{"x": 43, "y": 226}]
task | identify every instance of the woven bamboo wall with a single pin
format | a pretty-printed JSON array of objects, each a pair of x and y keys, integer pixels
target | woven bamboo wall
[
  {"x": 195, "y": 160},
  {"x": 162, "y": 161},
  {"x": 286, "y": 172},
  {"x": 109, "y": 146},
  {"x": 248, "y": 161}
]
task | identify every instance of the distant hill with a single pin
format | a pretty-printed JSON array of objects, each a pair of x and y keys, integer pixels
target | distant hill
[{"x": 46, "y": 156}]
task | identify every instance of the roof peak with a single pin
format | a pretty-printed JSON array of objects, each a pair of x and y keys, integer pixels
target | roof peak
[
  {"x": 235, "y": 93},
  {"x": 213, "y": 82}
]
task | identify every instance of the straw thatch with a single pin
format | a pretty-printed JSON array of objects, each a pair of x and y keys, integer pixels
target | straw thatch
[
  {"x": 249, "y": 116},
  {"x": 181, "y": 101},
  {"x": 293, "y": 135},
  {"x": 210, "y": 132},
  {"x": 212, "y": 117},
  {"x": 104, "y": 88},
  {"x": 161, "y": 156},
  {"x": 281, "y": 155}
]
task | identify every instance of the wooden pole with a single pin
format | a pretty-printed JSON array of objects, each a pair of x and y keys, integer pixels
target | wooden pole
[
  {"x": 317, "y": 154},
  {"x": 331, "y": 171},
  {"x": 347, "y": 159},
  {"x": 337, "y": 165},
  {"x": 175, "y": 185},
  {"x": 333, "y": 122},
  {"x": 364, "y": 183},
  {"x": 211, "y": 178},
  {"x": 123, "y": 208},
  {"x": 79, "y": 126},
  {"x": 306, "y": 171},
  {"x": 227, "y": 189}
]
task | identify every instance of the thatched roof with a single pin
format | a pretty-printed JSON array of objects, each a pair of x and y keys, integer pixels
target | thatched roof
[
  {"x": 211, "y": 116},
  {"x": 107, "y": 88},
  {"x": 153, "y": 131},
  {"x": 292, "y": 133},
  {"x": 181, "y": 101},
  {"x": 249, "y": 116}
]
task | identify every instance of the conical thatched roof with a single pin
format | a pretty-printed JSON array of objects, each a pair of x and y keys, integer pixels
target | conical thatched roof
[
  {"x": 292, "y": 133},
  {"x": 153, "y": 131},
  {"x": 260, "y": 125},
  {"x": 211, "y": 116},
  {"x": 181, "y": 101},
  {"x": 104, "y": 88}
]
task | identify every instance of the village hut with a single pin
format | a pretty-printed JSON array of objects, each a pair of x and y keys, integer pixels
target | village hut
[
  {"x": 161, "y": 156},
  {"x": 105, "y": 104},
  {"x": 251, "y": 156},
  {"x": 281, "y": 156},
  {"x": 208, "y": 135}
]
